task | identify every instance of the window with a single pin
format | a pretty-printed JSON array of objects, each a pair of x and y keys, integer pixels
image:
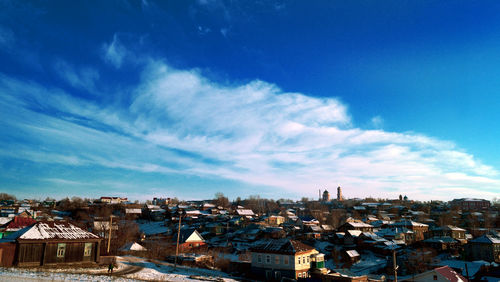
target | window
[
  {"x": 285, "y": 260},
  {"x": 268, "y": 259},
  {"x": 308, "y": 259},
  {"x": 276, "y": 259},
  {"x": 88, "y": 249},
  {"x": 435, "y": 277},
  {"x": 298, "y": 260},
  {"x": 300, "y": 274},
  {"x": 259, "y": 258},
  {"x": 61, "y": 249}
]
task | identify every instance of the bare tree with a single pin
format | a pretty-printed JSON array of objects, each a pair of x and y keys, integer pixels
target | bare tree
[
  {"x": 221, "y": 200},
  {"x": 5, "y": 196}
]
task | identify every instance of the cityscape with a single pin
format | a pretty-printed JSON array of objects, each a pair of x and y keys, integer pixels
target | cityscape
[
  {"x": 225, "y": 140},
  {"x": 330, "y": 238}
]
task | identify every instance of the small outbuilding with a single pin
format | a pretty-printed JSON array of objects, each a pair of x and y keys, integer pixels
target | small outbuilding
[{"x": 132, "y": 248}]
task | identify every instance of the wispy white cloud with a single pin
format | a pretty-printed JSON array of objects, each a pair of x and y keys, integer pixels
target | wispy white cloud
[
  {"x": 114, "y": 53},
  {"x": 83, "y": 78},
  {"x": 377, "y": 121},
  {"x": 180, "y": 122}
]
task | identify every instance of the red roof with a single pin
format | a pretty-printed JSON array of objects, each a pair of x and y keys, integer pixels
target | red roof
[
  {"x": 450, "y": 274},
  {"x": 20, "y": 222}
]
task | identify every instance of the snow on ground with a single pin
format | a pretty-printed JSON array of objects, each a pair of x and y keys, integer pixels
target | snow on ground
[
  {"x": 165, "y": 271},
  {"x": 127, "y": 269},
  {"x": 369, "y": 263},
  {"x": 22, "y": 275},
  {"x": 322, "y": 246}
]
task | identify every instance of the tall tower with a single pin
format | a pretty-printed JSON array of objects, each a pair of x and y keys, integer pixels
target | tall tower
[
  {"x": 339, "y": 194},
  {"x": 326, "y": 196}
]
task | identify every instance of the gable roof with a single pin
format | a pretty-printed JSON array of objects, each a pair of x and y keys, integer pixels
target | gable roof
[
  {"x": 20, "y": 222},
  {"x": 352, "y": 253},
  {"x": 358, "y": 224},
  {"x": 407, "y": 223},
  {"x": 450, "y": 274},
  {"x": 133, "y": 246},
  {"x": 52, "y": 230},
  {"x": 189, "y": 235},
  {"x": 487, "y": 239},
  {"x": 281, "y": 246},
  {"x": 133, "y": 211},
  {"x": 245, "y": 212}
]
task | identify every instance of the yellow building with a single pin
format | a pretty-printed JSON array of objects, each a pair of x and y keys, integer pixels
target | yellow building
[{"x": 275, "y": 259}]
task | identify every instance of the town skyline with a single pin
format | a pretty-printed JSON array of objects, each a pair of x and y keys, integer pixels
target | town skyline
[
  {"x": 279, "y": 99},
  {"x": 320, "y": 198}
]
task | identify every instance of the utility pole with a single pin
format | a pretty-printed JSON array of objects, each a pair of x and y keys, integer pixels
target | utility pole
[
  {"x": 395, "y": 266},
  {"x": 110, "y": 227},
  {"x": 177, "y": 245},
  {"x": 466, "y": 271},
  {"x": 227, "y": 233}
]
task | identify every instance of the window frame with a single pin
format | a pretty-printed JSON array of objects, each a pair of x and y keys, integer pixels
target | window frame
[
  {"x": 87, "y": 249},
  {"x": 61, "y": 250}
]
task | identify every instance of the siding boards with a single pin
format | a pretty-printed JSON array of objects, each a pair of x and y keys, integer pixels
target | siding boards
[
  {"x": 74, "y": 252},
  {"x": 33, "y": 254},
  {"x": 30, "y": 254}
]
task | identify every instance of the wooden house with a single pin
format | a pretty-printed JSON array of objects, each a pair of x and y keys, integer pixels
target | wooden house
[{"x": 49, "y": 243}]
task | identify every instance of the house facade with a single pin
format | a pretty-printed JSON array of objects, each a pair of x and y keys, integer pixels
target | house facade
[
  {"x": 189, "y": 239},
  {"x": 419, "y": 229},
  {"x": 50, "y": 243},
  {"x": 486, "y": 247},
  {"x": 279, "y": 258}
]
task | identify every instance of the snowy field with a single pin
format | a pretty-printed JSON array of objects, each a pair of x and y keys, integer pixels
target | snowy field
[{"x": 128, "y": 269}]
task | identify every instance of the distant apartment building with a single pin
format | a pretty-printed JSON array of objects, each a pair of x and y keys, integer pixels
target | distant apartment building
[
  {"x": 160, "y": 201},
  {"x": 113, "y": 200},
  {"x": 470, "y": 204}
]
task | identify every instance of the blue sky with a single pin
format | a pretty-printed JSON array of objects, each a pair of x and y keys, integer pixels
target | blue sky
[{"x": 271, "y": 98}]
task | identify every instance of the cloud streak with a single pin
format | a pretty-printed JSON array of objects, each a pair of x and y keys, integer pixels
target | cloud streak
[{"x": 179, "y": 122}]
